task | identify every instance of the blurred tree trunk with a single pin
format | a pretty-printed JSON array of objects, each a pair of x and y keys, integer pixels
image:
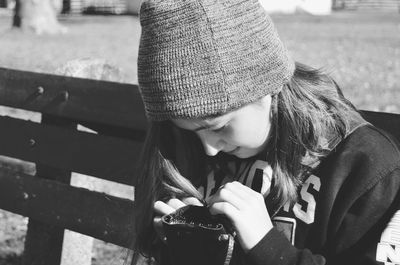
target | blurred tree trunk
[
  {"x": 39, "y": 16},
  {"x": 3, "y": 3},
  {"x": 17, "y": 18}
]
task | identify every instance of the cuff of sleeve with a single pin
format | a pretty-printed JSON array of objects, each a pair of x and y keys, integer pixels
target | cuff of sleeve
[{"x": 273, "y": 248}]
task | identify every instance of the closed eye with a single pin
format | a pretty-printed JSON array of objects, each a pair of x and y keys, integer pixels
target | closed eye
[{"x": 220, "y": 129}]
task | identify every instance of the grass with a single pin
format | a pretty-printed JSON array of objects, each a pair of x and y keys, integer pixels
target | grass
[
  {"x": 112, "y": 38},
  {"x": 360, "y": 50}
]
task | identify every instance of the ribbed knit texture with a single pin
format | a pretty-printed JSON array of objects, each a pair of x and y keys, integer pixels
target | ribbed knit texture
[{"x": 202, "y": 58}]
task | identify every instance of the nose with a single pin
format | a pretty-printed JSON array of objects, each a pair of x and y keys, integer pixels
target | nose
[{"x": 212, "y": 144}]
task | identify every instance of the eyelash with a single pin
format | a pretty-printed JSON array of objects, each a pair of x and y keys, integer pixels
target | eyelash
[{"x": 220, "y": 129}]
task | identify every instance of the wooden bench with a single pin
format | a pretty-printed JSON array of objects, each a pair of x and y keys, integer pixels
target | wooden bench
[
  {"x": 115, "y": 112},
  {"x": 57, "y": 148}
]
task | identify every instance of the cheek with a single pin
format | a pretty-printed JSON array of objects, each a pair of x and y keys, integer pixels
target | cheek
[{"x": 251, "y": 135}]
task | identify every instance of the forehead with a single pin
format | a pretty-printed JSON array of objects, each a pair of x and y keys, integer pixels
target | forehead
[{"x": 203, "y": 123}]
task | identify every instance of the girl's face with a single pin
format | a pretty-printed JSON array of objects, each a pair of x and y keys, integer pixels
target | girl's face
[{"x": 242, "y": 132}]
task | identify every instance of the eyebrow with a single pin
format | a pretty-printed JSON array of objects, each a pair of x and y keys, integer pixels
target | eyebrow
[{"x": 213, "y": 123}]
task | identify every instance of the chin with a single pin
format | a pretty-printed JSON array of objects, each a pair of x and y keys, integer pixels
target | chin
[{"x": 245, "y": 154}]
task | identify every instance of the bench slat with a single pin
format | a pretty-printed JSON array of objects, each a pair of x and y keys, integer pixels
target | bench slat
[
  {"x": 101, "y": 156},
  {"x": 96, "y": 101},
  {"x": 87, "y": 212}
]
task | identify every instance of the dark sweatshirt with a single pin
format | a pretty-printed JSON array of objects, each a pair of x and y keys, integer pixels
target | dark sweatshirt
[
  {"x": 346, "y": 213},
  {"x": 348, "y": 208}
]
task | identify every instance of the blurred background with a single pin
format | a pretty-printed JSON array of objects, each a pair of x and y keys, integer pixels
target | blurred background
[{"x": 356, "y": 41}]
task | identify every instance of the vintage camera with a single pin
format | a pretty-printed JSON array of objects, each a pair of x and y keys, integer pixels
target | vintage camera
[{"x": 196, "y": 237}]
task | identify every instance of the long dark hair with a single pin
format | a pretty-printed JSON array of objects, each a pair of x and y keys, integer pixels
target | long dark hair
[
  {"x": 160, "y": 177},
  {"x": 308, "y": 114},
  {"x": 309, "y": 110}
]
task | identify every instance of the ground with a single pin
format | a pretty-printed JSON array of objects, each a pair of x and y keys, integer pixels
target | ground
[{"x": 360, "y": 50}]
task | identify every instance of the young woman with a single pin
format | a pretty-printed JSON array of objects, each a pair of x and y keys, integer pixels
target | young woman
[{"x": 269, "y": 143}]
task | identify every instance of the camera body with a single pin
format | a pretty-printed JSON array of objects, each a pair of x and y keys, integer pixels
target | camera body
[{"x": 196, "y": 237}]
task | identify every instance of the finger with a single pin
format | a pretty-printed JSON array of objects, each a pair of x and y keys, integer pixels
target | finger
[
  {"x": 246, "y": 193},
  {"x": 157, "y": 222},
  {"x": 225, "y": 208},
  {"x": 161, "y": 208},
  {"x": 192, "y": 201},
  {"x": 175, "y": 203},
  {"x": 251, "y": 194},
  {"x": 240, "y": 189},
  {"x": 229, "y": 195},
  {"x": 233, "y": 187}
]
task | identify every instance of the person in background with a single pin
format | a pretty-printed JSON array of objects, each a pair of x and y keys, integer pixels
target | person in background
[{"x": 268, "y": 142}]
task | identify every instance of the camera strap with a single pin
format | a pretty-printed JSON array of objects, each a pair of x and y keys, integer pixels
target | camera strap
[{"x": 229, "y": 251}]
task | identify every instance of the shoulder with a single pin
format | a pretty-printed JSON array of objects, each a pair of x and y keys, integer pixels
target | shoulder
[
  {"x": 373, "y": 135},
  {"x": 370, "y": 145},
  {"x": 360, "y": 187},
  {"x": 361, "y": 160}
]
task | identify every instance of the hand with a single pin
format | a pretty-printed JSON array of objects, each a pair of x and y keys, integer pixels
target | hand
[
  {"x": 161, "y": 208},
  {"x": 246, "y": 210}
]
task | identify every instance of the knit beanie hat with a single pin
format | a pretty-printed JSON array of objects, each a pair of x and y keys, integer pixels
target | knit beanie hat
[{"x": 203, "y": 58}]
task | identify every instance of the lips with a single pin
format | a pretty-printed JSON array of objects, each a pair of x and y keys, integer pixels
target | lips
[{"x": 232, "y": 151}]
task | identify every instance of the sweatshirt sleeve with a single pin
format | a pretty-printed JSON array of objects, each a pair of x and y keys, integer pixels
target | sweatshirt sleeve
[
  {"x": 361, "y": 235},
  {"x": 274, "y": 248}
]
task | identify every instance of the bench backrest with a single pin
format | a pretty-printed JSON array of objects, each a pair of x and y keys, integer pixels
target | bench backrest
[{"x": 115, "y": 112}]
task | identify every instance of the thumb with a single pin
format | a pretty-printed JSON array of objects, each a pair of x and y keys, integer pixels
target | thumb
[{"x": 157, "y": 223}]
